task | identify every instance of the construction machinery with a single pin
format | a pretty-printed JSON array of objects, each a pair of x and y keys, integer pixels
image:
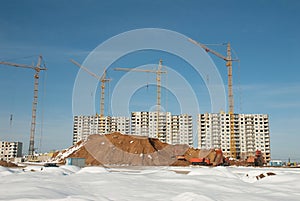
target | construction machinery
[
  {"x": 229, "y": 60},
  {"x": 37, "y": 69},
  {"x": 158, "y": 73},
  {"x": 200, "y": 161},
  {"x": 102, "y": 79},
  {"x": 257, "y": 160},
  {"x": 207, "y": 157}
]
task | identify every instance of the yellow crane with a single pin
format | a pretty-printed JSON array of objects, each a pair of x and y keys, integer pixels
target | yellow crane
[
  {"x": 158, "y": 73},
  {"x": 228, "y": 60},
  {"x": 102, "y": 79},
  {"x": 37, "y": 69}
]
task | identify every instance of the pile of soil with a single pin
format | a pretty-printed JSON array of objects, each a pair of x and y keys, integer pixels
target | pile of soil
[
  {"x": 119, "y": 149},
  {"x": 7, "y": 164}
]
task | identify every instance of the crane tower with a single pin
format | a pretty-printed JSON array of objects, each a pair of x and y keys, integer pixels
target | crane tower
[
  {"x": 102, "y": 79},
  {"x": 37, "y": 69},
  {"x": 228, "y": 60},
  {"x": 158, "y": 73}
]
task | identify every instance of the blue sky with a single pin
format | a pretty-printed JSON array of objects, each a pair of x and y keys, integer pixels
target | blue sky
[{"x": 264, "y": 34}]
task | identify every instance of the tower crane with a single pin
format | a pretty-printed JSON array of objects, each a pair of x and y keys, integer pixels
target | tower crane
[
  {"x": 37, "y": 69},
  {"x": 229, "y": 61},
  {"x": 102, "y": 79},
  {"x": 158, "y": 73}
]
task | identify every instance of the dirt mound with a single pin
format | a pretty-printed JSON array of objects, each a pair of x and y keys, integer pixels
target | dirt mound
[
  {"x": 119, "y": 149},
  {"x": 7, "y": 164}
]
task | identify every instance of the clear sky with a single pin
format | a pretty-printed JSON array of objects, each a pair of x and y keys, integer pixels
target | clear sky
[{"x": 265, "y": 34}]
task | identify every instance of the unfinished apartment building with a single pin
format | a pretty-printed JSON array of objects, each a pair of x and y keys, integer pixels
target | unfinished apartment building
[
  {"x": 251, "y": 133},
  {"x": 10, "y": 150},
  {"x": 172, "y": 129},
  {"x": 87, "y": 125}
]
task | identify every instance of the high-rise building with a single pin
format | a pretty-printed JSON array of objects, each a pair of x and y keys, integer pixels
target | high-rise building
[
  {"x": 140, "y": 123},
  {"x": 158, "y": 126},
  {"x": 120, "y": 124},
  {"x": 182, "y": 129},
  {"x": 84, "y": 126},
  {"x": 88, "y": 125},
  {"x": 151, "y": 124},
  {"x": 104, "y": 125},
  {"x": 10, "y": 150},
  {"x": 251, "y": 133},
  {"x": 172, "y": 129}
]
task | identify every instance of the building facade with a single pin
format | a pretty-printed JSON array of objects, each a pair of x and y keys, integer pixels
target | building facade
[
  {"x": 87, "y": 125},
  {"x": 140, "y": 124},
  {"x": 172, "y": 129},
  {"x": 10, "y": 150},
  {"x": 120, "y": 124},
  {"x": 182, "y": 129},
  {"x": 251, "y": 133}
]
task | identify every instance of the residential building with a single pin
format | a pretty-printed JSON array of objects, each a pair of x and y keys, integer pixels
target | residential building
[
  {"x": 10, "y": 150},
  {"x": 120, "y": 124},
  {"x": 251, "y": 133},
  {"x": 87, "y": 125},
  {"x": 158, "y": 125},
  {"x": 140, "y": 124},
  {"x": 84, "y": 126},
  {"x": 172, "y": 129},
  {"x": 182, "y": 129},
  {"x": 151, "y": 124},
  {"x": 104, "y": 125}
]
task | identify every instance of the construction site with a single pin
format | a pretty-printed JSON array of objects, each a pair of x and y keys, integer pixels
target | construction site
[
  {"x": 149, "y": 100},
  {"x": 223, "y": 139}
]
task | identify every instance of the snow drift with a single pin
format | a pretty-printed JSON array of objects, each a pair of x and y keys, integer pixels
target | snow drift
[{"x": 143, "y": 183}]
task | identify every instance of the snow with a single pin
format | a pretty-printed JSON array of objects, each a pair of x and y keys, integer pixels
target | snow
[
  {"x": 148, "y": 183},
  {"x": 67, "y": 152},
  {"x": 5, "y": 171}
]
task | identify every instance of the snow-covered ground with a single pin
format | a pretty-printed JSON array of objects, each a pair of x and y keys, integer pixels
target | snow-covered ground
[{"x": 148, "y": 183}]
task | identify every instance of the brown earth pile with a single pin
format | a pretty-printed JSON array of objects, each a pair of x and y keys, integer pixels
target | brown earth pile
[
  {"x": 119, "y": 149},
  {"x": 7, "y": 164}
]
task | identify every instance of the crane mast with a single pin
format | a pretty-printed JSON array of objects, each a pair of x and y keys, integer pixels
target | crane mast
[
  {"x": 228, "y": 60},
  {"x": 158, "y": 87},
  {"x": 34, "y": 106},
  {"x": 102, "y": 79},
  {"x": 233, "y": 152},
  {"x": 229, "y": 67},
  {"x": 37, "y": 69}
]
